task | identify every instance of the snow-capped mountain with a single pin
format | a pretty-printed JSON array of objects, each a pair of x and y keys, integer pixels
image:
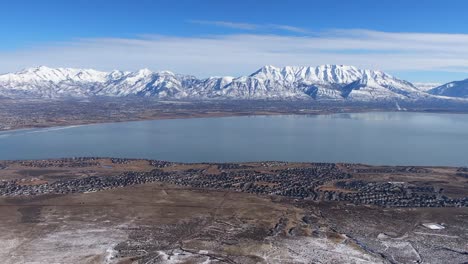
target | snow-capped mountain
[
  {"x": 46, "y": 82},
  {"x": 336, "y": 82},
  {"x": 452, "y": 89}
]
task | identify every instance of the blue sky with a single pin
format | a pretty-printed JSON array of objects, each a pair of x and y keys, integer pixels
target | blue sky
[{"x": 415, "y": 40}]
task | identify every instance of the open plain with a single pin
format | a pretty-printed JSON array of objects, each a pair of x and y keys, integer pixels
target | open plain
[{"x": 100, "y": 210}]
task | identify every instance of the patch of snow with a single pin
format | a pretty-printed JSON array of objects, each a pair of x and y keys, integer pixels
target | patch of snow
[{"x": 433, "y": 226}]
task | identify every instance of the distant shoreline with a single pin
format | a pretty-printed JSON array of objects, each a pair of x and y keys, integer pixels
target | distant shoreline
[
  {"x": 211, "y": 115},
  {"x": 33, "y": 114},
  {"x": 149, "y": 119}
]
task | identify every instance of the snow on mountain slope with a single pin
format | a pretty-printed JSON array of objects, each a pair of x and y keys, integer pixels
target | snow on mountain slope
[
  {"x": 452, "y": 89},
  {"x": 47, "y": 82},
  {"x": 45, "y": 74},
  {"x": 142, "y": 82},
  {"x": 426, "y": 86},
  {"x": 336, "y": 82}
]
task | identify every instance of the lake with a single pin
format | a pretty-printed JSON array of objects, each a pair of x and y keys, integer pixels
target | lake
[{"x": 394, "y": 138}]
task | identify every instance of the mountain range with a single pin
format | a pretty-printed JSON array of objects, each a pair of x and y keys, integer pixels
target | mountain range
[{"x": 326, "y": 82}]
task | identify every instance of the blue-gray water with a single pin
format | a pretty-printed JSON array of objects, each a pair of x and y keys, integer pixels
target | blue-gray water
[{"x": 372, "y": 138}]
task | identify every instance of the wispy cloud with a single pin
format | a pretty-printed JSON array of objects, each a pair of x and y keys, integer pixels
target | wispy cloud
[
  {"x": 244, "y": 26},
  {"x": 250, "y": 26},
  {"x": 238, "y": 54},
  {"x": 290, "y": 28}
]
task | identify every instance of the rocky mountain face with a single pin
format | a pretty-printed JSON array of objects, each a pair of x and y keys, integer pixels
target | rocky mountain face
[
  {"x": 332, "y": 82},
  {"x": 452, "y": 89}
]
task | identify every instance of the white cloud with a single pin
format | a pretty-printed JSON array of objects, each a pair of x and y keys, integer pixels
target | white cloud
[
  {"x": 289, "y": 28},
  {"x": 245, "y": 26},
  {"x": 243, "y": 53},
  {"x": 251, "y": 27}
]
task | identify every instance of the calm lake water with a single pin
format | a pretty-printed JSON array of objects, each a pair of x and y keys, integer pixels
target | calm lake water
[{"x": 372, "y": 138}]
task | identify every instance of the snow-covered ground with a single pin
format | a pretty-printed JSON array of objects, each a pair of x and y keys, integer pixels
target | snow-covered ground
[{"x": 67, "y": 244}]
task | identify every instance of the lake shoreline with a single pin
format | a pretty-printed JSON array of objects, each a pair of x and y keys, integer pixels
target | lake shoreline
[
  {"x": 175, "y": 116},
  {"x": 214, "y": 115},
  {"x": 27, "y": 114}
]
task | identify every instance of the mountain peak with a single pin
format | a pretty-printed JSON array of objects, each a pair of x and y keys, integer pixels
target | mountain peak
[
  {"x": 337, "y": 82},
  {"x": 327, "y": 73},
  {"x": 269, "y": 68},
  {"x": 35, "y": 69},
  {"x": 265, "y": 69},
  {"x": 165, "y": 73},
  {"x": 144, "y": 71},
  {"x": 42, "y": 67}
]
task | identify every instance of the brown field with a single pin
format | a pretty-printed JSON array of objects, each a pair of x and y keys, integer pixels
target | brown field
[{"x": 164, "y": 223}]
